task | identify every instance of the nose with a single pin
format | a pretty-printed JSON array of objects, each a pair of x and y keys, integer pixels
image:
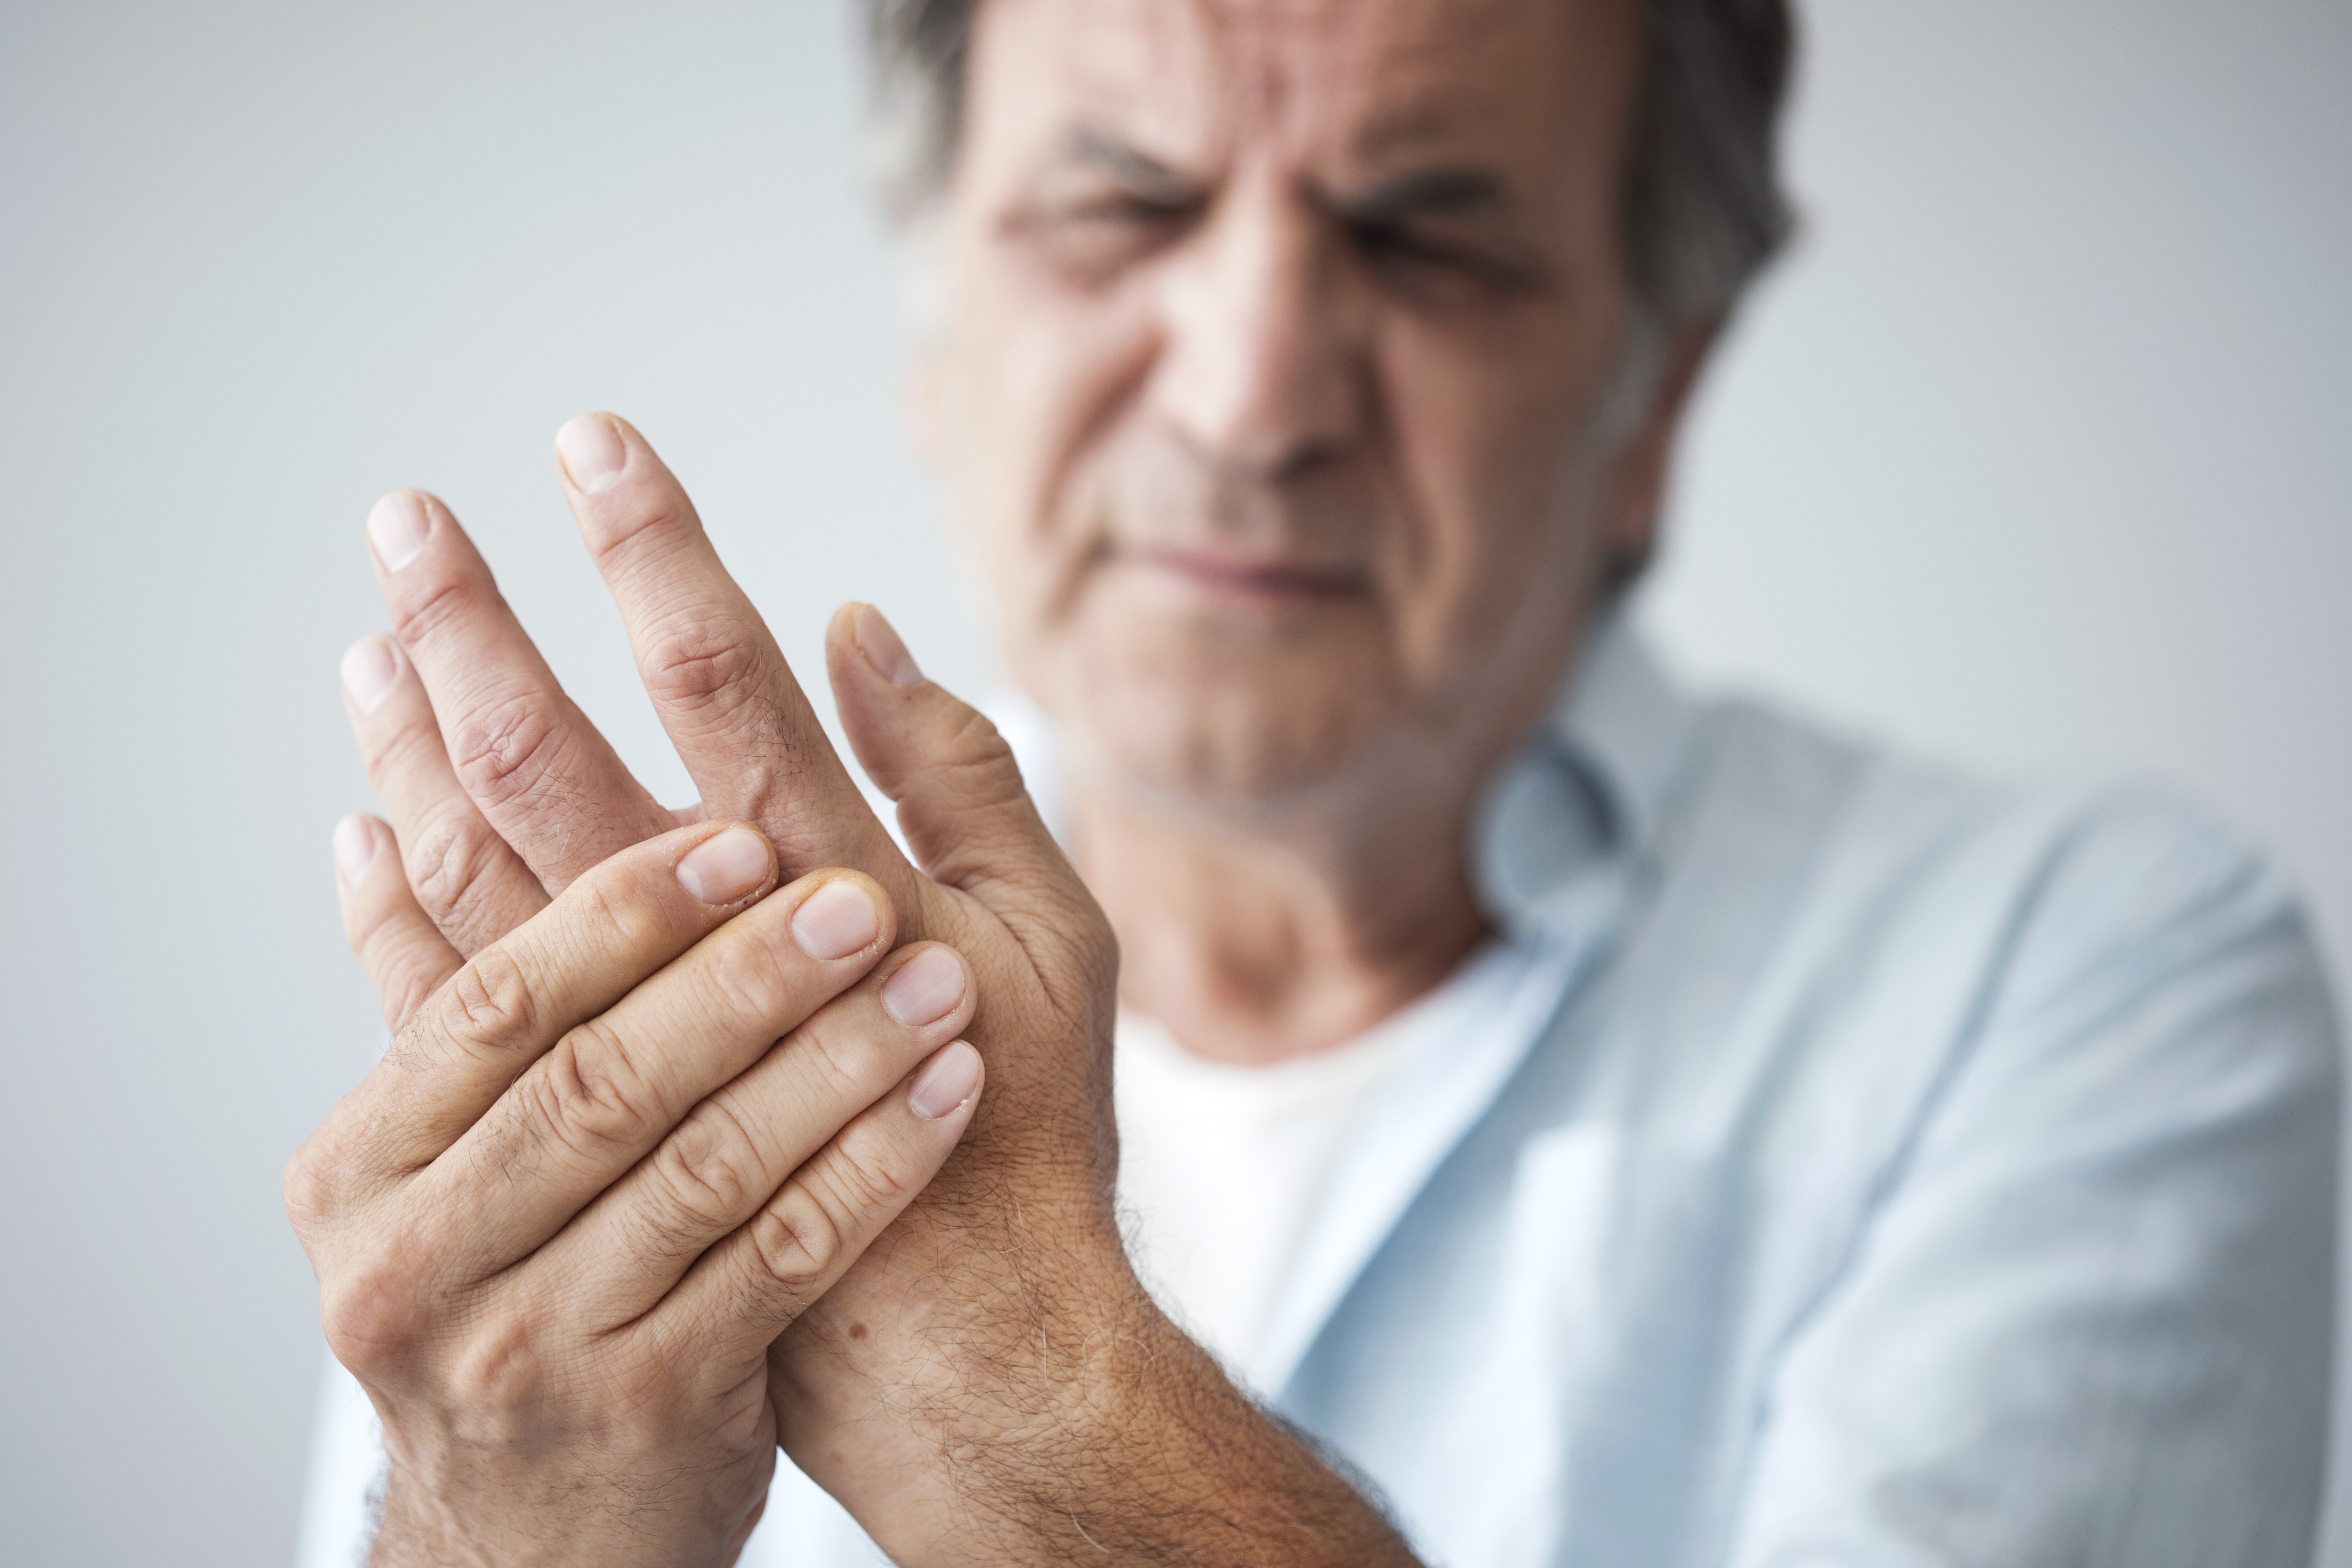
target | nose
[{"x": 1262, "y": 369}]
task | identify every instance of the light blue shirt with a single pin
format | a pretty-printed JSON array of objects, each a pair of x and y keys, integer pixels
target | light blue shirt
[{"x": 1866, "y": 1167}]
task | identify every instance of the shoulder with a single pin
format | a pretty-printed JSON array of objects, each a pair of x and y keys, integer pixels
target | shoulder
[
  {"x": 1874, "y": 902},
  {"x": 2120, "y": 922},
  {"x": 2087, "y": 866}
]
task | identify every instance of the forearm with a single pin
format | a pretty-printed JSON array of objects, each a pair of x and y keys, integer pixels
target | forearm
[
  {"x": 1057, "y": 1415},
  {"x": 1160, "y": 1459}
]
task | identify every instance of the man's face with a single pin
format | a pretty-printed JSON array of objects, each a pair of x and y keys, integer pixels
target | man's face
[{"x": 1275, "y": 337}]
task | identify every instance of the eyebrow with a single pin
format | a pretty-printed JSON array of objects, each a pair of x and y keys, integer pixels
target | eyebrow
[
  {"x": 1460, "y": 191},
  {"x": 1108, "y": 152},
  {"x": 1443, "y": 192}
]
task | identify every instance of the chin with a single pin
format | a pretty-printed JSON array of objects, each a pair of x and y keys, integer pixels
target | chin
[{"x": 1227, "y": 735}]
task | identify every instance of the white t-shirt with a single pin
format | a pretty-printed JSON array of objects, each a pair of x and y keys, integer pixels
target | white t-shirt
[
  {"x": 1222, "y": 1167},
  {"x": 1225, "y": 1170}
]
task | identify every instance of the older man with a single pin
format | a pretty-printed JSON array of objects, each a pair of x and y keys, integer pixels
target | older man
[{"x": 1555, "y": 1122}]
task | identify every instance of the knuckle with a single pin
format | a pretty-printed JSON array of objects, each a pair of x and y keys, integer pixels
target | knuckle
[
  {"x": 700, "y": 660},
  {"x": 498, "y": 1378},
  {"x": 398, "y": 749},
  {"x": 588, "y": 1093},
  {"x": 373, "y": 1311},
  {"x": 972, "y": 740},
  {"x": 491, "y": 1005},
  {"x": 853, "y": 1066},
  {"x": 313, "y": 1185},
  {"x": 864, "y": 1175},
  {"x": 654, "y": 524},
  {"x": 798, "y": 1243},
  {"x": 402, "y": 976},
  {"x": 623, "y": 922},
  {"x": 711, "y": 1164},
  {"x": 420, "y": 618},
  {"x": 451, "y": 864},
  {"x": 399, "y": 998},
  {"x": 505, "y": 750},
  {"x": 977, "y": 763},
  {"x": 748, "y": 976}
]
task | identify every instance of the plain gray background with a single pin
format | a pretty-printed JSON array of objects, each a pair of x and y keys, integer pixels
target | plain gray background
[{"x": 2033, "y": 454}]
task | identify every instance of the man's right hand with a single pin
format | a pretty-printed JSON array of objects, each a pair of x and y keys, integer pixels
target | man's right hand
[{"x": 559, "y": 1226}]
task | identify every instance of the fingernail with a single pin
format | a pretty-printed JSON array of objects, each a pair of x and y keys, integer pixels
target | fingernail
[
  {"x": 945, "y": 1082},
  {"x": 837, "y": 920},
  {"x": 354, "y": 848},
  {"x": 592, "y": 452},
  {"x": 726, "y": 868},
  {"x": 880, "y": 643},
  {"x": 369, "y": 668},
  {"x": 397, "y": 528},
  {"x": 926, "y": 988}
]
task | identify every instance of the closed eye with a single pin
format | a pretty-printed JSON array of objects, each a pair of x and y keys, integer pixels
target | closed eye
[
  {"x": 1092, "y": 238},
  {"x": 1141, "y": 209},
  {"x": 1441, "y": 226},
  {"x": 1409, "y": 254},
  {"x": 1101, "y": 205}
]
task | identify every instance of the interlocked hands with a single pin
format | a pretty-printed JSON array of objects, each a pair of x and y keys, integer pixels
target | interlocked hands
[{"x": 640, "y": 1189}]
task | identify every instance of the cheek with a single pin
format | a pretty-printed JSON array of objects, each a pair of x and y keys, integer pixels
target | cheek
[
  {"x": 1500, "y": 492},
  {"x": 1039, "y": 381}
]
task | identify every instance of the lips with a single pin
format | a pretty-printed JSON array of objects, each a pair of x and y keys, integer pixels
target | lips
[{"x": 1255, "y": 576}]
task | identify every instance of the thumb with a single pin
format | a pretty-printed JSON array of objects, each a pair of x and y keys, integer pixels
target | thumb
[
  {"x": 974, "y": 832},
  {"x": 966, "y": 813}
]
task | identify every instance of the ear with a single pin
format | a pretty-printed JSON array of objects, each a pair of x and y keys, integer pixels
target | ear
[{"x": 1631, "y": 533}]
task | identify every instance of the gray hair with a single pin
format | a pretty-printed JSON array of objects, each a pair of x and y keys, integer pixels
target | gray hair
[{"x": 1701, "y": 200}]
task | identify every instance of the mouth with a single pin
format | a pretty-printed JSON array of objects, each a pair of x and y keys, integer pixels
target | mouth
[{"x": 1231, "y": 573}]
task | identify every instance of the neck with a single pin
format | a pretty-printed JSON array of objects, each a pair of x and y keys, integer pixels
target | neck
[{"x": 1258, "y": 941}]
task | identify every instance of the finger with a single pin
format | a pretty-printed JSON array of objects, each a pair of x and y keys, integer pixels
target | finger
[
  {"x": 469, "y": 1042},
  {"x": 466, "y": 877},
  {"x": 404, "y": 955},
  {"x": 967, "y": 814},
  {"x": 614, "y": 1088},
  {"x": 542, "y": 774},
  {"x": 730, "y": 703},
  {"x": 720, "y": 1164},
  {"x": 747, "y": 1289}
]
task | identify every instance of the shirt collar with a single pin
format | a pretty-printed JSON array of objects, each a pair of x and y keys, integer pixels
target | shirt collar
[
  {"x": 1584, "y": 800},
  {"x": 1625, "y": 720}
]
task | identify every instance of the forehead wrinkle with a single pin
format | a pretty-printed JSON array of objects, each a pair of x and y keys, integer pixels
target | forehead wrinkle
[
  {"x": 1312, "y": 78},
  {"x": 1131, "y": 75},
  {"x": 1372, "y": 83},
  {"x": 1248, "y": 43},
  {"x": 1344, "y": 94}
]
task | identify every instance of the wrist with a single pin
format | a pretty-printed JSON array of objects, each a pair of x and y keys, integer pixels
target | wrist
[
  {"x": 958, "y": 1357},
  {"x": 413, "y": 1530},
  {"x": 576, "y": 1521}
]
